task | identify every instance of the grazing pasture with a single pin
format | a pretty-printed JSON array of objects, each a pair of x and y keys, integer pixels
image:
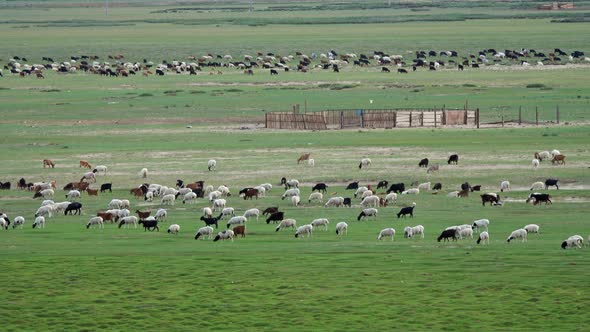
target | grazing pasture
[{"x": 66, "y": 276}]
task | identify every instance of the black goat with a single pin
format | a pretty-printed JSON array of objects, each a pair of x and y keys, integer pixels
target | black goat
[
  {"x": 275, "y": 217},
  {"x": 75, "y": 207},
  {"x": 320, "y": 187},
  {"x": 550, "y": 183},
  {"x": 448, "y": 234},
  {"x": 149, "y": 223},
  {"x": 407, "y": 210},
  {"x": 106, "y": 186},
  {"x": 423, "y": 163},
  {"x": 212, "y": 220}
]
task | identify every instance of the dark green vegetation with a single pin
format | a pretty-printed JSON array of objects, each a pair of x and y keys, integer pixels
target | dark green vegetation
[{"x": 65, "y": 277}]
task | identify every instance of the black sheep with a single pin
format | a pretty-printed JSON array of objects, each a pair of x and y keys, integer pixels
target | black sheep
[
  {"x": 320, "y": 187},
  {"x": 275, "y": 217},
  {"x": 75, "y": 207},
  {"x": 150, "y": 223}
]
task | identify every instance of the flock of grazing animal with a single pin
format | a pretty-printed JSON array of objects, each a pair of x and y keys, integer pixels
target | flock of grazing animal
[
  {"x": 118, "y": 66},
  {"x": 118, "y": 210}
]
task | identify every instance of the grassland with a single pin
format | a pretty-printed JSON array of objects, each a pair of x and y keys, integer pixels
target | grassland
[{"x": 65, "y": 277}]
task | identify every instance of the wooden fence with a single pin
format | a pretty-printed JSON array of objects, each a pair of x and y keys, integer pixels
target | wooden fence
[{"x": 391, "y": 118}]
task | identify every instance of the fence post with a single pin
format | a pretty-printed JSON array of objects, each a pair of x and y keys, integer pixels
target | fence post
[
  {"x": 362, "y": 119},
  {"x": 410, "y": 119},
  {"x": 557, "y": 114},
  {"x": 435, "y": 117},
  {"x": 394, "y": 119},
  {"x": 477, "y": 117},
  {"x": 465, "y": 117},
  {"x": 502, "y": 120},
  {"x": 537, "y": 115},
  {"x": 519, "y": 115},
  {"x": 341, "y": 119},
  {"x": 422, "y": 119},
  {"x": 266, "y": 120},
  {"x": 444, "y": 118}
]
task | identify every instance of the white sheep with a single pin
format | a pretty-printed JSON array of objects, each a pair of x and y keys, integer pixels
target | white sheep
[
  {"x": 3, "y": 223},
  {"x": 161, "y": 215},
  {"x": 391, "y": 197},
  {"x": 370, "y": 212},
  {"x": 237, "y": 220},
  {"x": 143, "y": 173},
  {"x": 411, "y": 191},
  {"x": 168, "y": 199},
  {"x": 47, "y": 193},
  {"x": 535, "y": 163},
  {"x": 555, "y": 153},
  {"x": 504, "y": 185},
  {"x": 360, "y": 191},
  {"x": 39, "y": 222},
  {"x": 370, "y": 201},
  {"x": 295, "y": 200},
  {"x": 341, "y": 227},
  {"x": 227, "y": 234},
  {"x": 228, "y": 211},
  {"x": 207, "y": 230},
  {"x": 365, "y": 162},
  {"x": 483, "y": 236},
  {"x": 45, "y": 211},
  {"x": 453, "y": 194},
  {"x": 207, "y": 212},
  {"x": 286, "y": 223},
  {"x": 574, "y": 241},
  {"x": 321, "y": 222},
  {"x": 73, "y": 194},
  {"x": 311, "y": 162},
  {"x": 303, "y": 230},
  {"x": 290, "y": 193},
  {"x": 129, "y": 220},
  {"x": 214, "y": 195},
  {"x": 335, "y": 201},
  {"x": 61, "y": 206},
  {"x": 261, "y": 191},
  {"x": 367, "y": 194},
  {"x": 386, "y": 232},
  {"x": 47, "y": 202},
  {"x": 293, "y": 183},
  {"x": 411, "y": 231},
  {"x": 101, "y": 168},
  {"x": 95, "y": 221},
  {"x": 18, "y": 221},
  {"x": 531, "y": 228},
  {"x": 167, "y": 191},
  {"x": 224, "y": 191},
  {"x": 424, "y": 186},
  {"x": 211, "y": 164},
  {"x": 190, "y": 197},
  {"x": 252, "y": 212},
  {"x": 123, "y": 213},
  {"x": 219, "y": 204},
  {"x": 480, "y": 223},
  {"x": 149, "y": 196},
  {"x": 316, "y": 196},
  {"x": 517, "y": 234},
  {"x": 174, "y": 229},
  {"x": 184, "y": 191},
  {"x": 466, "y": 232},
  {"x": 538, "y": 185},
  {"x": 125, "y": 204},
  {"x": 209, "y": 189},
  {"x": 267, "y": 186},
  {"x": 115, "y": 204},
  {"x": 543, "y": 155}
]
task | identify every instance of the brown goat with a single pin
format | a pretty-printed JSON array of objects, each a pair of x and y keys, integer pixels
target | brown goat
[
  {"x": 463, "y": 193},
  {"x": 143, "y": 214},
  {"x": 107, "y": 216},
  {"x": 559, "y": 159},
  {"x": 92, "y": 192},
  {"x": 48, "y": 163},
  {"x": 240, "y": 230},
  {"x": 137, "y": 192},
  {"x": 85, "y": 164},
  {"x": 251, "y": 193},
  {"x": 303, "y": 157}
]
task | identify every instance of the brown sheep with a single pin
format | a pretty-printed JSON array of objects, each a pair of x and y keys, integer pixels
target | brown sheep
[{"x": 240, "y": 230}]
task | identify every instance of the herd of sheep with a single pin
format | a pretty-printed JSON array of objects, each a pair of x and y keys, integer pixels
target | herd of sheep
[
  {"x": 409, "y": 61},
  {"x": 118, "y": 210}
]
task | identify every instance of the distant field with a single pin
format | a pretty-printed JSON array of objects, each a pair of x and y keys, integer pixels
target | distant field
[{"x": 67, "y": 277}]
